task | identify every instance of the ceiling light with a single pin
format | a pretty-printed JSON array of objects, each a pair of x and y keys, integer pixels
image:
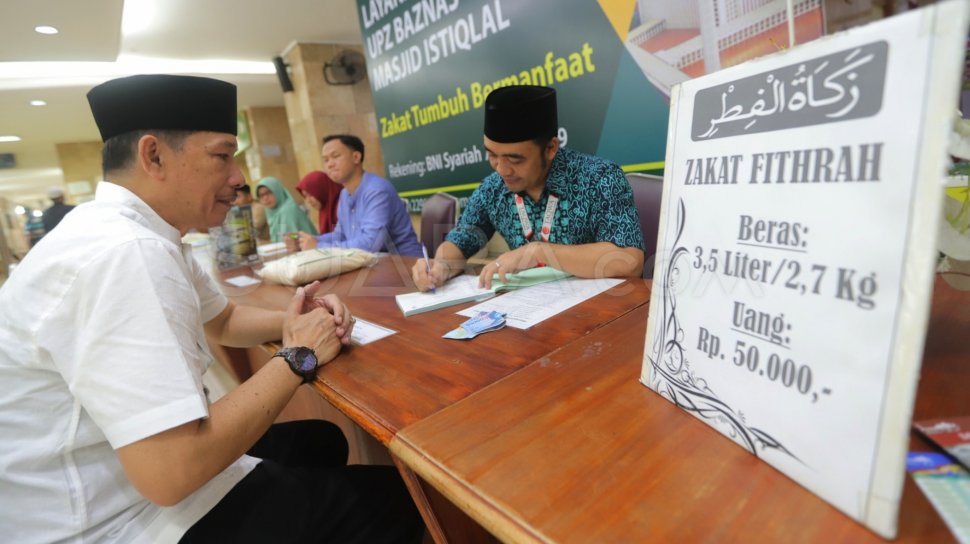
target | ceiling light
[
  {"x": 37, "y": 213},
  {"x": 45, "y": 29},
  {"x": 38, "y": 103},
  {"x": 4, "y": 139},
  {"x": 139, "y": 17},
  {"x": 19, "y": 210},
  {"x": 48, "y": 74}
]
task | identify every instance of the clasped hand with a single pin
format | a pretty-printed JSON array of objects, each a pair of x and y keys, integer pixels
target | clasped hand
[{"x": 320, "y": 322}]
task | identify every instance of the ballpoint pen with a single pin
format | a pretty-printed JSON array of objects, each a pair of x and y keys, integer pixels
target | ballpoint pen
[{"x": 427, "y": 263}]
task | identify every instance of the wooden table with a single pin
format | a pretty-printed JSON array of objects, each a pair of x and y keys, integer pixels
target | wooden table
[
  {"x": 389, "y": 384},
  {"x": 573, "y": 448},
  {"x": 404, "y": 378}
]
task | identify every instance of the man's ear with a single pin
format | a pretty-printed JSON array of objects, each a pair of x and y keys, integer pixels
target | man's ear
[
  {"x": 149, "y": 155},
  {"x": 357, "y": 157},
  {"x": 551, "y": 148}
]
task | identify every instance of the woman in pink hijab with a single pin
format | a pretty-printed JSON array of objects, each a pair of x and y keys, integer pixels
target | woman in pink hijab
[{"x": 321, "y": 193}]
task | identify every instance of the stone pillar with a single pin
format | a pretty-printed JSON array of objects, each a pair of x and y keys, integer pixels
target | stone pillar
[
  {"x": 316, "y": 108},
  {"x": 271, "y": 153},
  {"x": 81, "y": 166}
]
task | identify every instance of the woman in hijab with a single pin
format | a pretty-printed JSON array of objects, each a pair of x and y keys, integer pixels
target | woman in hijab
[
  {"x": 321, "y": 193},
  {"x": 282, "y": 213}
]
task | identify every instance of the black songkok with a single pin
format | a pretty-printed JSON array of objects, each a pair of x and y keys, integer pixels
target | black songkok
[
  {"x": 163, "y": 102},
  {"x": 520, "y": 112}
]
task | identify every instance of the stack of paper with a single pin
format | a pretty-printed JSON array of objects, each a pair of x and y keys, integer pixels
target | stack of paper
[
  {"x": 271, "y": 250},
  {"x": 456, "y": 291}
]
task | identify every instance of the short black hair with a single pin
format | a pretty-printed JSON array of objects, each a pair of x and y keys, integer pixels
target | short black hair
[
  {"x": 542, "y": 141},
  {"x": 119, "y": 151},
  {"x": 348, "y": 140}
]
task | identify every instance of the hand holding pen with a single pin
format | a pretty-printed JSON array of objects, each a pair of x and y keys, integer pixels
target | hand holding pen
[{"x": 427, "y": 265}]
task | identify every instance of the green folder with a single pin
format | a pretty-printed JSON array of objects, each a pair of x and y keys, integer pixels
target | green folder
[{"x": 527, "y": 277}]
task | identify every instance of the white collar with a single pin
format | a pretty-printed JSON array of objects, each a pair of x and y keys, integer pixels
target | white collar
[{"x": 113, "y": 194}]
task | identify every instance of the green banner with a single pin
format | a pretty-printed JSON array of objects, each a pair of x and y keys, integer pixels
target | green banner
[{"x": 432, "y": 63}]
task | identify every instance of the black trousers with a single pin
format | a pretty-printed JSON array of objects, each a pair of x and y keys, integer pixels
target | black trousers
[{"x": 303, "y": 491}]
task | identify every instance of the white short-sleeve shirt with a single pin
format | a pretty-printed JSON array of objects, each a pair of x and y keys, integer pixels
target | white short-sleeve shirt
[{"x": 101, "y": 345}]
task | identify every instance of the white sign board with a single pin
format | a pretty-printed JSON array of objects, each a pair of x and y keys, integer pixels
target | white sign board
[{"x": 797, "y": 247}]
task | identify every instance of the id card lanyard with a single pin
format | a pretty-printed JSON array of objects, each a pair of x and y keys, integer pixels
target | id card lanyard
[{"x": 550, "y": 212}]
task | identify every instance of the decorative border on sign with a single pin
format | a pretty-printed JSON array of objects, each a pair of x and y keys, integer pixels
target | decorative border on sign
[{"x": 672, "y": 375}]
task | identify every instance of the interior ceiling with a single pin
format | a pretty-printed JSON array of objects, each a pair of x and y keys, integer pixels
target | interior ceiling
[{"x": 91, "y": 30}]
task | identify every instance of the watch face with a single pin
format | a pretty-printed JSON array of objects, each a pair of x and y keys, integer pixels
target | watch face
[{"x": 306, "y": 359}]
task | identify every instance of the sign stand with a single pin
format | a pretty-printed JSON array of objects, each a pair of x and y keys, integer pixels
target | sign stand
[{"x": 797, "y": 248}]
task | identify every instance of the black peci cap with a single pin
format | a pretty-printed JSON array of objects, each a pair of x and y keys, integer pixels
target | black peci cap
[
  {"x": 521, "y": 112},
  {"x": 163, "y": 102}
]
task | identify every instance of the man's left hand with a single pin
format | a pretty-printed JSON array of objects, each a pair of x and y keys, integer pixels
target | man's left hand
[
  {"x": 342, "y": 317},
  {"x": 527, "y": 256}
]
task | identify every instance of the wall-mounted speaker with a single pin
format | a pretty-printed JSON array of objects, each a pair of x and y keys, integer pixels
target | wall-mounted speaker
[{"x": 282, "y": 74}]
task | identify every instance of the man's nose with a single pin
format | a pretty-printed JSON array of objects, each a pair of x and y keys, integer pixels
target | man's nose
[{"x": 236, "y": 178}]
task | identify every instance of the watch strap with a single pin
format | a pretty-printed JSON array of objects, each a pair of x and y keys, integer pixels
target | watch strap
[{"x": 290, "y": 355}]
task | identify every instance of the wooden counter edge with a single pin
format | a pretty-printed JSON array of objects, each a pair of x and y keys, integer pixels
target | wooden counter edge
[
  {"x": 497, "y": 520},
  {"x": 370, "y": 422}
]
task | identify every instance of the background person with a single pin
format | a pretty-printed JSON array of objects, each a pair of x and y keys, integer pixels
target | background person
[
  {"x": 107, "y": 432},
  {"x": 552, "y": 205},
  {"x": 282, "y": 213},
  {"x": 322, "y": 194},
  {"x": 38, "y": 228},
  {"x": 244, "y": 197},
  {"x": 370, "y": 215},
  {"x": 57, "y": 210}
]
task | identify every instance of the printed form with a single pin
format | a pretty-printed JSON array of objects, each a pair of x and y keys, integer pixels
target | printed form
[
  {"x": 365, "y": 332},
  {"x": 528, "y": 306}
]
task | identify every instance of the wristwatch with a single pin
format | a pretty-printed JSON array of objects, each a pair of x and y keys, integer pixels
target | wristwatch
[{"x": 302, "y": 361}]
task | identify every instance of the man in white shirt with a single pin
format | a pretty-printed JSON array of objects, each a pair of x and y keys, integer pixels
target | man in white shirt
[{"x": 106, "y": 434}]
